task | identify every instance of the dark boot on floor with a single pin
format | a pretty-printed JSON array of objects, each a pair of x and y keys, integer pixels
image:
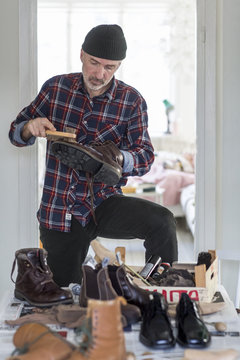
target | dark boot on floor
[
  {"x": 97, "y": 285},
  {"x": 34, "y": 282},
  {"x": 192, "y": 332},
  {"x": 124, "y": 286},
  {"x": 101, "y": 160},
  {"x": 156, "y": 331}
]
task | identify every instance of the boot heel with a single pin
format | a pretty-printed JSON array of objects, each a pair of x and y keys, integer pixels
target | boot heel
[{"x": 108, "y": 175}]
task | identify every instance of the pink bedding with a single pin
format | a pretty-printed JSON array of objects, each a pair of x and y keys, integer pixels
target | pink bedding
[{"x": 171, "y": 180}]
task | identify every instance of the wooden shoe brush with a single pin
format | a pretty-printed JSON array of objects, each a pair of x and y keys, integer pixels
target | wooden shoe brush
[{"x": 69, "y": 135}]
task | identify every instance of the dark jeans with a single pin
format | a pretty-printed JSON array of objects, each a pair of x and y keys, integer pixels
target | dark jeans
[{"x": 118, "y": 217}]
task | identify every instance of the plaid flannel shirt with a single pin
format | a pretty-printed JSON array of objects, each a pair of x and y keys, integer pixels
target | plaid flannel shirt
[{"x": 119, "y": 115}]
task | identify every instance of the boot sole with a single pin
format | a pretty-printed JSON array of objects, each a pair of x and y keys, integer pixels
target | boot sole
[
  {"x": 21, "y": 297},
  {"x": 82, "y": 160}
]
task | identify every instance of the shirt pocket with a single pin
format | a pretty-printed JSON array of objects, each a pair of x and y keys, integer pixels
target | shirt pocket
[{"x": 111, "y": 129}]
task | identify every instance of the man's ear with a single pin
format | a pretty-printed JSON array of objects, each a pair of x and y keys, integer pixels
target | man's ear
[{"x": 81, "y": 55}]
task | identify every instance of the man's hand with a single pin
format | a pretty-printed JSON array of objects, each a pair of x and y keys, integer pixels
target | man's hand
[{"x": 36, "y": 127}]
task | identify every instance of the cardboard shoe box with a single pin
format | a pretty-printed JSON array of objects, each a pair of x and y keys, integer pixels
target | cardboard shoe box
[{"x": 206, "y": 282}]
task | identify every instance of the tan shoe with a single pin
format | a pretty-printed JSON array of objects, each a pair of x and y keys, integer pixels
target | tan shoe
[
  {"x": 35, "y": 341},
  {"x": 106, "y": 341}
]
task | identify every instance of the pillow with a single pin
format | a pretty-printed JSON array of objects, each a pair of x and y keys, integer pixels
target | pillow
[{"x": 170, "y": 160}]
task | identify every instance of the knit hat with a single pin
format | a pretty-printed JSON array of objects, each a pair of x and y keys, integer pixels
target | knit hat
[{"x": 106, "y": 42}]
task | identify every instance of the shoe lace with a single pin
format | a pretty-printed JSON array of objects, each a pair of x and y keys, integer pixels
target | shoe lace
[
  {"x": 45, "y": 275},
  {"x": 83, "y": 335}
]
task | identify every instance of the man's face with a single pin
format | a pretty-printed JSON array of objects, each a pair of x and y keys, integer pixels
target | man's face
[{"x": 97, "y": 72}]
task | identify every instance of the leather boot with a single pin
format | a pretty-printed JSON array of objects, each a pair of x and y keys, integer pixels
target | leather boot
[
  {"x": 34, "y": 341},
  {"x": 124, "y": 286},
  {"x": 34, "y": 282},
  {"x": 106, "y": 341},
  {"x": 102, "y": 160},
  {"x": 96, "y": 284}
]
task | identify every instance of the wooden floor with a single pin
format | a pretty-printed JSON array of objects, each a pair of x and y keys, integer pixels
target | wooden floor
[{"x": 135, "y": 250}]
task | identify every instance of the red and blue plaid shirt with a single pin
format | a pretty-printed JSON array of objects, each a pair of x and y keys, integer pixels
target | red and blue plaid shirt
[{"x": 119, "y": 115}]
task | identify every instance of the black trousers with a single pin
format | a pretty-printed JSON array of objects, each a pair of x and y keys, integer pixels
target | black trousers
[{"x": 118, "y": 217}]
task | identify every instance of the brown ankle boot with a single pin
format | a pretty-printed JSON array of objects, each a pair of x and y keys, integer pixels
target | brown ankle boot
[
  {"x": 106, "y": 341},
  {"x": 34, "y": 341},
  {"x": 34, "y": 282},
  {"x": 102, "y": 160},
  {"x": 96, "y": 284}
]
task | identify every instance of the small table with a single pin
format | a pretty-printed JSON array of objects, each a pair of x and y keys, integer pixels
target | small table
[{"x": 149, "y": 192}]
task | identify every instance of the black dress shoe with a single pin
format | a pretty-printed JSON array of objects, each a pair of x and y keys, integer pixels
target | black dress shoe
[
  {"x": 156, "y": 331},
  {"x": 192, "y": 332}
]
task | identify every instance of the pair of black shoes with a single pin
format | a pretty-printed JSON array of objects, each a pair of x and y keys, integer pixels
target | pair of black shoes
[{"x": 156, "y": 330}]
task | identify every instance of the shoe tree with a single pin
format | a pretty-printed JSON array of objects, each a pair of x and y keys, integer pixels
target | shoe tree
[
  {"x": 227, "y": 354},
  {"x": 219, "y": 325},
  {"x": 101, "y": 252}
]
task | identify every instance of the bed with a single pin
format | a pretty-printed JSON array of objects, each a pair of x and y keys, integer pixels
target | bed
[{"x": 172, "y": 176}]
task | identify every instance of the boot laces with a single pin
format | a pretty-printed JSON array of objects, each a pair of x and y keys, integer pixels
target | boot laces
[
  {"x": 46, "y": 275},
  {"x": 83, "y": 335}
]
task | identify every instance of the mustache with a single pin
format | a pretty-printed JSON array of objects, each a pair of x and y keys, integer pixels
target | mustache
[{"x": 99, "y": 81}]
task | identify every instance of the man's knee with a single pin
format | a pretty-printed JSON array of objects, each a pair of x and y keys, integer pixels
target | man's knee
[{"x": 161, "y": 217}]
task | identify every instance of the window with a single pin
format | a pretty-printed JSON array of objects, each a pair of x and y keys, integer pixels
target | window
[{"x": 161, "y": 55}]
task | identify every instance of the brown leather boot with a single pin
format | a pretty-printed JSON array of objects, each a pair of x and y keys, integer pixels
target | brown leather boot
[
  {"x": 106, "y": 341},
  {"x": 34, "y": 282},
  {"x": 102, "y": 160},
  {"x": 34, "y": 341},
  {"x": 96, "y": 284}
]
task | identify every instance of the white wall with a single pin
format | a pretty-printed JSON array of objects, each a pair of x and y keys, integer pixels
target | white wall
[
  {"x": 228, "y": 139},
  {"x": 18, "y": 225}
]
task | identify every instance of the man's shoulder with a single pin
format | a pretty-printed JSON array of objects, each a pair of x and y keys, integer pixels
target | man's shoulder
[
  {"x": 131, "y": 91},
  {"x": 67, "y": 80}
]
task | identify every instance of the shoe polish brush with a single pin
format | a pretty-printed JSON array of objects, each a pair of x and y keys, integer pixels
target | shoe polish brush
[{"x": 60, "y": 135}]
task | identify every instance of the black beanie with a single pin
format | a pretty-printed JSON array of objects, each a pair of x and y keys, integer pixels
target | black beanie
[{"x": 106, "y": 42}]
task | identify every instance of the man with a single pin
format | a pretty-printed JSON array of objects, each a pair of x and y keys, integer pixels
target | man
[{"x": 107, "y": 113}]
